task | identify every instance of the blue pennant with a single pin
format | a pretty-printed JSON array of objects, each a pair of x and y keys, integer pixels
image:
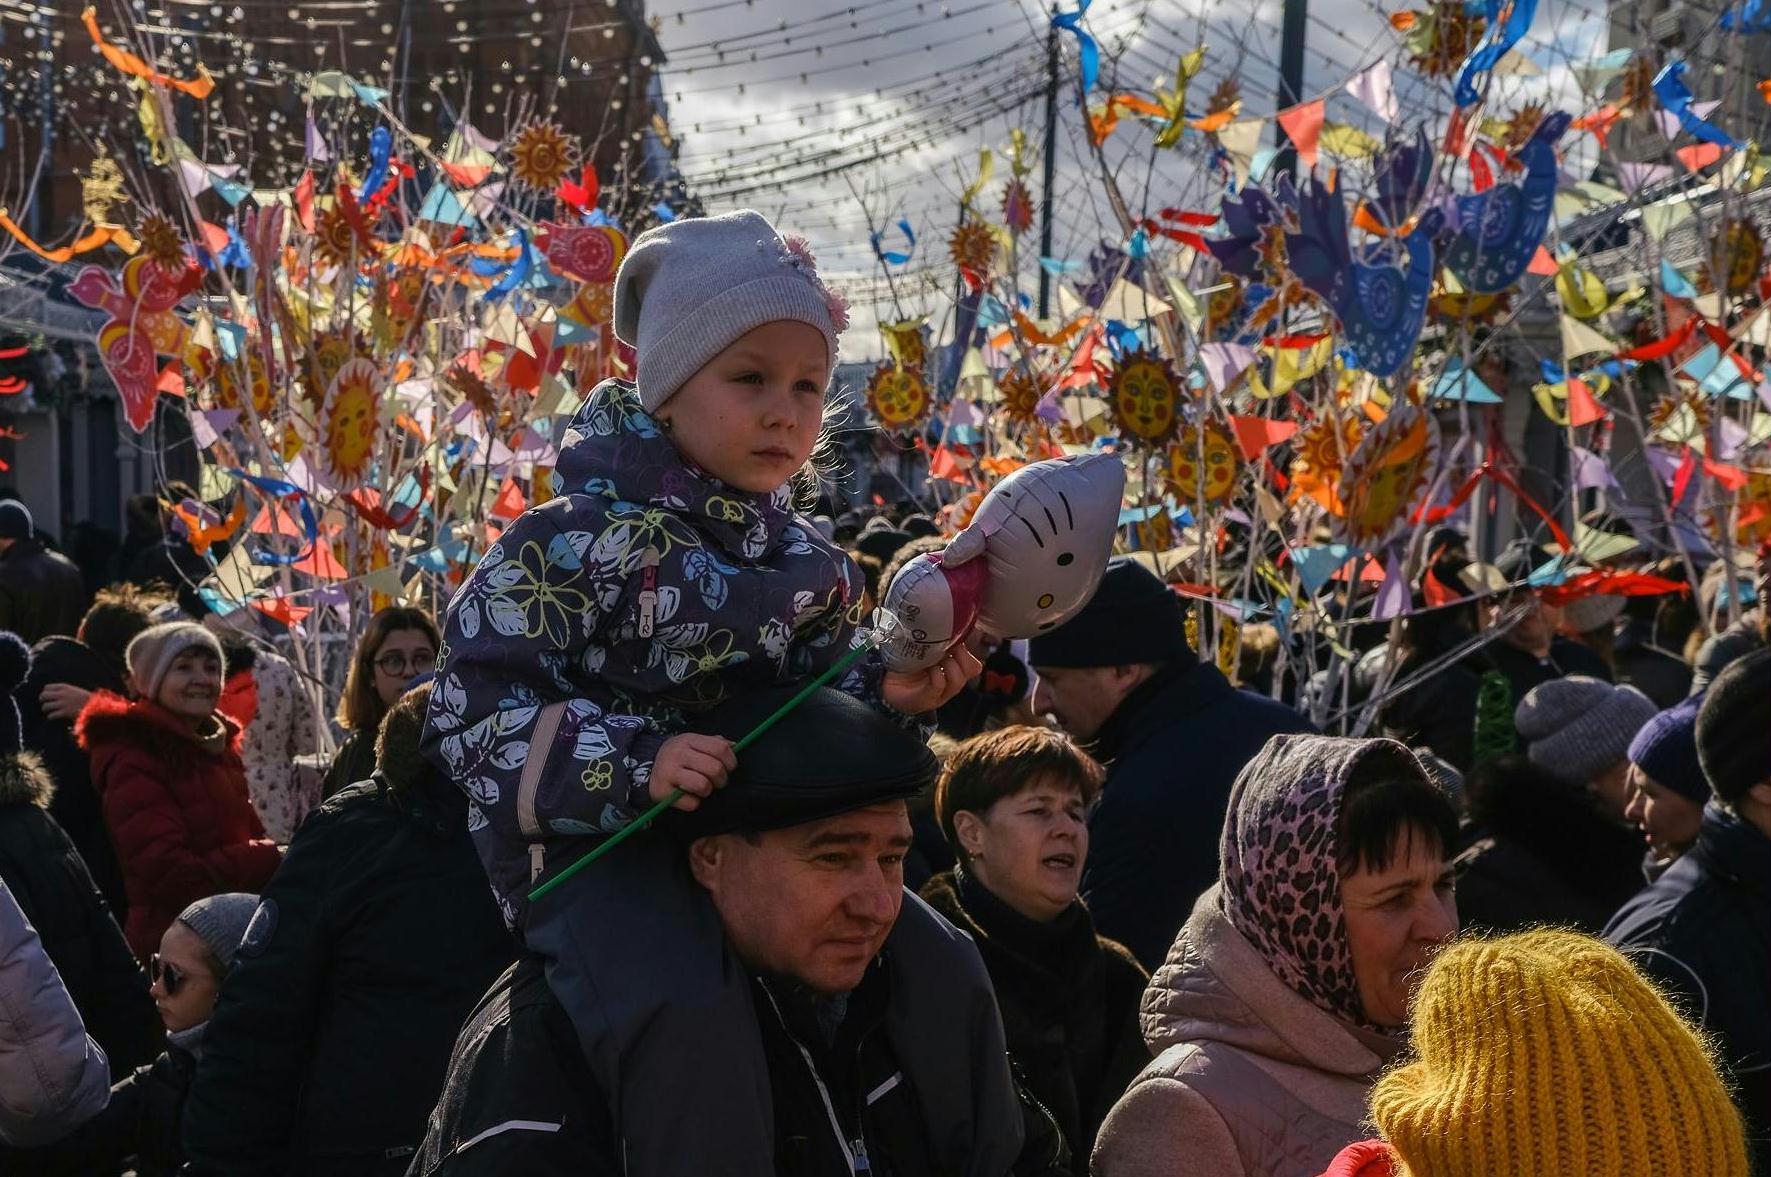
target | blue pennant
[{"x": 1088, "y": 54}]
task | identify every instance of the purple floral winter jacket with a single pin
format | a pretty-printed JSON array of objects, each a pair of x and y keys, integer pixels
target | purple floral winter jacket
[{"x": 646, "y": 591}]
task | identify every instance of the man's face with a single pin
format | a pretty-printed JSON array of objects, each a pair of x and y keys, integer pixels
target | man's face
[
  {"x": 813, "y": 903},
  {"x": 1082, "y": 699}
]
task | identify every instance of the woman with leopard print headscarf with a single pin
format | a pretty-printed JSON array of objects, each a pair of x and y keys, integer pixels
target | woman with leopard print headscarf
[{"x": 1287, "y": 991}]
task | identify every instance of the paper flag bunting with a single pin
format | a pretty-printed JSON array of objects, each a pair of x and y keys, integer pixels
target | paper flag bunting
[
  {"x": 1674, "y": 283},
  {"x": 1315, "y": 566},
  {"x": 1128, "y": 302},
  {"x": 1594, "y": 75},
  {"x": 1303, "y": 126},
  {"x": 1458, "y": 384},
  {"x": 1579, "y": 340},
  {"x": 1589, "y": 471},
  {"x": 1669, "y": 86},
  {"x": 1583, "y": 409},
  {"x": 1224, "y": 362},
  {"x": 1240, "y": 141},
  {"x": 1347, "y": 142},
  {"x": 1255, "y": 434},
  {"x": 1660, "y": 219},
  {"x": 1394, "y": 597},
  {"x": 1374, "y": 87},
  {"x": 1636, "y": 176}
]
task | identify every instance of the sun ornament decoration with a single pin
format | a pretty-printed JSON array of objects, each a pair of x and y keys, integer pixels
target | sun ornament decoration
[
  {"x": 1020, "y": 394},
  {"x": 1320, "y": 455},
  {"x": 1203, "y": 464},
  {"x": 1388, "y": 475},
  {"x": 541, "y": 156},
  {"x": 1145, "y": 397},
  {"x": 1017, "y": 208},
  {"x": 972, "y": 247},
  {"x": 335, "y": 238},
  {"x": 898, "y": 397},
  {"x": 1679, "y": 417},
  {"x": 349, "y": 425},
  {"x": 160, "y": 241}
]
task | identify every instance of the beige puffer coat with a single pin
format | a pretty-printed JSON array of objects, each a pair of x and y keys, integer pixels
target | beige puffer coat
[{"x": 1250, "y": 1079}]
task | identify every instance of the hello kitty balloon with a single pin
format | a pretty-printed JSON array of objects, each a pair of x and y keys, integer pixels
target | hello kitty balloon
[{"x": 1031, "y": 557}]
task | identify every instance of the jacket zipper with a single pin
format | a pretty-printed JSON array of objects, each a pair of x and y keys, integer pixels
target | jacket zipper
[
  {"x": 853, "y": 1152},
  {"x": 648, "y": 592}
]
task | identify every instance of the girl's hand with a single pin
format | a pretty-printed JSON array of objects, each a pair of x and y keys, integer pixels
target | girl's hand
[
  {"x": 62, "y": 700},
  {"x": 914, "y": 692},
  {"x": 695, "y": 763}
]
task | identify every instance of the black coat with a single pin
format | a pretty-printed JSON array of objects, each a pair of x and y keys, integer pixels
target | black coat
[
  {"x": 331, "y": 1036},
  {"x": 41, "y": 592},
  {"x": 138, "y": 1128},
  {"x": 1173, "y": 748},
  {"x": 75, "y": 805},
  {"x": 520, "y": 1099},
  {"x": 1539, "y": 851},
  {"x": 354, "y": 762},
  {"x": 1703, "y": 932},
  {"x": 1069, "y": 1002},
  {"x": 43, "y": 870},
  {"x": 1525, "y": 671}
]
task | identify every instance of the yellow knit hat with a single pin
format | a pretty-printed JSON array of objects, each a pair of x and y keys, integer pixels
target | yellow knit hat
[{"x": 1547, "y": 1053}]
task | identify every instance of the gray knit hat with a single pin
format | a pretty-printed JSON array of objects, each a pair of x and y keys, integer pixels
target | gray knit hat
[
  {"x": 220, "y": 922},
  {"x": 1577, "y": 727},
  {"x": 688, "y": 289},
  {"x": 156, "y": 648}
]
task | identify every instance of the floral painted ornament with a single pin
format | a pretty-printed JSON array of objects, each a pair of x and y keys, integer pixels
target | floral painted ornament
[
  {"x": 589, "y": 253},
  {"x": 1753, "y": 518},
  {"x": 1203, "y": 464},
  {"x": 1145, "y": 397},
  {"x": 349, "y": 425},
  {"x": 541, "y": 156},
  {"x": 231, "y": 391},
  {"x": 1386, "y": 478},
  {"x": 1742, "y": 254},
  {"x": 142, "y": 326},
  {"x": 161, "y": 242},
  {"x": 898, "y": 397}
]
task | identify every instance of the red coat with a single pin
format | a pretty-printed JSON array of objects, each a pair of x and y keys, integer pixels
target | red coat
[
  {"x": 177, "y": 811},
  {"x": 1364, "y": 1158}
]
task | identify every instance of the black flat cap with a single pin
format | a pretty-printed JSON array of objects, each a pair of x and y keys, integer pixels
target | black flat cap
[
  {"x": 1133, "y": 618},
  {"x": 882, "y": 543},
  {"x": 830, "y": 755}
]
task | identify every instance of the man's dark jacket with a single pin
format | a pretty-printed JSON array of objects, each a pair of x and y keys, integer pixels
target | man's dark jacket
[
  {"x": 331, "y": 1035},
  {"x": 520, "y": 1099},
  {"x": 1173, "y": 748},
  {"x": 41, "y": 592},
  {"x": 1703, "y": 932},
  {"x": 46, "y": 874},
  {"x": 75, "y": 805}
]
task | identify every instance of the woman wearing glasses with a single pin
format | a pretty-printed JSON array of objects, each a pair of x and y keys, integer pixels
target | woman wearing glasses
[
  {"x": 399, "y": 645},
  {"x": 142, "y": 1123}
]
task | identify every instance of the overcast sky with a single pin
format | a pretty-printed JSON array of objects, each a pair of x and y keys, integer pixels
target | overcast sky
[{"x": 944, "y": 67}]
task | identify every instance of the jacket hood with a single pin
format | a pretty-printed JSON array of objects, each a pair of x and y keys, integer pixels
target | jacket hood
[
  {"x": 617, "y": 450},
  {"x": 68, "y": 660},
  {"x": 110, "y": 720},
  {"x": 24, "y": 780},
  {"x": 1215, "y": 987}
]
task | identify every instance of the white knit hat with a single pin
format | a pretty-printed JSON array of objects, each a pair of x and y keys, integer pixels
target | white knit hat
[
  {"x": 156, "y": 648},
  {"x": 688, "y": 289}
]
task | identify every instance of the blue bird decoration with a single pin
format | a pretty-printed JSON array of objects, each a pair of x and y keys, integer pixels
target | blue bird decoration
[
  {"x": 1499, "y": 230},
  {"x": 1381, "y": 305}
]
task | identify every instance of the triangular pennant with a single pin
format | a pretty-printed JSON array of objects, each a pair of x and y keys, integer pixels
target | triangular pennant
[{"x": 1303, "y": 126}]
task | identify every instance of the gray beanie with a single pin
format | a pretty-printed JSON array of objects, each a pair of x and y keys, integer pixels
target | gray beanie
[
  {"x": 156, "y": 648},
  {"x": 220, "y": 922},
  {"x": 688, "y": 289},
  {"x": 1576, "y": 728}
]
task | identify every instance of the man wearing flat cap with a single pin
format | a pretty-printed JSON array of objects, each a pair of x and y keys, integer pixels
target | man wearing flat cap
[
  {"x": 874, "y": 1029},
  {"x": 1173, "y": 733}
]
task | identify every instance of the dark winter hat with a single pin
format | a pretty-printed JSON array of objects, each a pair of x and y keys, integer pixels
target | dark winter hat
[
  {"x": 882, "y": 543},
  {"x": 1733, "y": 740},
  {"x": 220, "y": 922},
  {"x": 15, "y": 520},
  {"x": 15, "y": 664},
  {"x": 1132, "y": 618},
  {"x": 830, "y": 755},
  {"x": 1666, "y": 749},
  {"x": 1577, "y": 727},
  {"x": 921, "y": 527}
]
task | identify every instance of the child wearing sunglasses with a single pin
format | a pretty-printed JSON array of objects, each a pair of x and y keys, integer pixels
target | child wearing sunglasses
[{"x": 143, "y": 1120}]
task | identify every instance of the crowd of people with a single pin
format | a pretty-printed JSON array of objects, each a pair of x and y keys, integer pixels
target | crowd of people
[{"x": 1087, "y": 903}]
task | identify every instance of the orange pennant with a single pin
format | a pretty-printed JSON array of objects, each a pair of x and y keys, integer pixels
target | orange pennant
[
  {"x": 1583, "y": 408},
  {"x": 1599, "y": 123},
  {"x": 199, "y": 87},
  {"x": 1765, "y": 89},
  {"x": 1254, "y": 434},
  {"x": 1303, "y": 126},
  {"x": 1699, "y": 155},
  {"x": 1732, "y": 477},
  {"x": 1542, "y": 263}
]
